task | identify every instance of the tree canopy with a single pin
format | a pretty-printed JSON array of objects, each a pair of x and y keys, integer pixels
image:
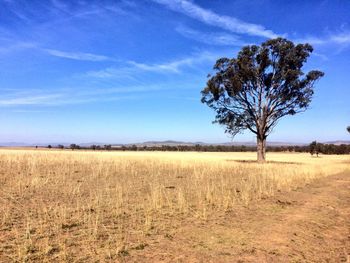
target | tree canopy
[{"x": 260, "y": 86}]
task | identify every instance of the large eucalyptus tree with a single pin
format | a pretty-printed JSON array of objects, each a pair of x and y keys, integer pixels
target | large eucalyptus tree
[{"x": 260, "y": 86}]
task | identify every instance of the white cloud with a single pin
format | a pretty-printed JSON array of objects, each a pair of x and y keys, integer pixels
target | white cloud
[
  {"x": 121, "y": 90},
  {"x": 321, "y": 56},
  {"x": 112, "y": 72},
  {"x": 57, "y": 99},
  {"x": 211, "y": 18},
  {"x": 31, "y": 100},
  {"x": 16, "y": 46},
  {"x": 217, "y": 38},
  {"x": 29, "y": 111},
  {"x": 342, "y": 38},
  {"x": 60, "y": 5},
  {"x": 171, "y": 67},
  {"x": 76, "y": 95},
  {"x": 77, "y": 55}
]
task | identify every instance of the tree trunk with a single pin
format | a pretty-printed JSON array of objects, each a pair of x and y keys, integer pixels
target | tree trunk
[{"x": 261, "y": 149}]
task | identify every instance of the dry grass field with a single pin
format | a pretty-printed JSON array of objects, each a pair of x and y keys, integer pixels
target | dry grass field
[{"x": 77, "y": 206}]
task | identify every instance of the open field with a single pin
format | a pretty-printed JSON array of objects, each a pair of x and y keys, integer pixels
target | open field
[{"x": 80, "y": 206}]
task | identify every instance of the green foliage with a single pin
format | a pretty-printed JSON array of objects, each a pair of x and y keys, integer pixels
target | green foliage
[
  {"x": 315, "y": 148},
  {"x": 108, "y": 147},
  {"x": 322, "y": 148},
  {"x": 74, "y": 146},
  {"x": 260, "y": 86},
  {"x": 95, "y": 147}
]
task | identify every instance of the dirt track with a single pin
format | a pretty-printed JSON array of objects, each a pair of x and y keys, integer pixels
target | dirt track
[{"x": 310, "y": 224}]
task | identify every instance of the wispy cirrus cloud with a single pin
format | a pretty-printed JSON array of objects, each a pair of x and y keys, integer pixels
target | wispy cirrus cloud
[
  {"x": 42, "y": 23},
  {"x": 176, "y": 66},
  {"x": 77, "y": 55},
  {"x": 211, "y": 18},
  {"x": 16, "y": 46},
  {"x": 18, "y": 13},
  {"x": 342, "y": 38},
  {"x": 110, "y": 72},
  {"x": 61, "y": 97},
  {"x": 217, "y": 38},
  {"x": 168, "y": 67},
  {"x": 31, "y": 100},
  {"x": 54, "y": 100},
  {"x": 72, "y": 96},
  {"x": 171, "y": 67}
]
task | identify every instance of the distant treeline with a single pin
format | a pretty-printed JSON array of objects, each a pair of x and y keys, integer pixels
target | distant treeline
[{"x": 320, "y": 148}]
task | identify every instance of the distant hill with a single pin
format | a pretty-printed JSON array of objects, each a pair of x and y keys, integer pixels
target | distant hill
[
  {"x": 14, "y": 144},
  {"x": 337, "y": 142}
]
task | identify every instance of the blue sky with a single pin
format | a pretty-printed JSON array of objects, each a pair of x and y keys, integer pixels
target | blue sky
[{"x": 129, "y": 71}]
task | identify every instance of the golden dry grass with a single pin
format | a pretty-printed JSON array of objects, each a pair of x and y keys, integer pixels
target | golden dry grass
[{"x": 85, "y": 206}]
